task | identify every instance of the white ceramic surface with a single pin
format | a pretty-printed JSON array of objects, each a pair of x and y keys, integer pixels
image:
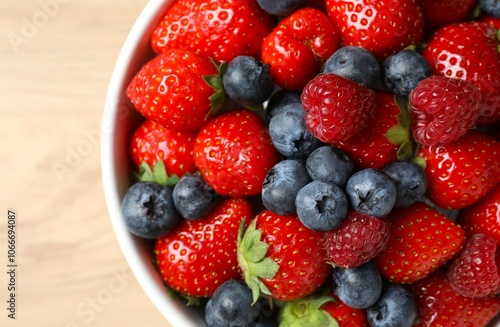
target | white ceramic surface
[
  {"x": 118, "y": 124},
  {"x": 119, "y": 121}
]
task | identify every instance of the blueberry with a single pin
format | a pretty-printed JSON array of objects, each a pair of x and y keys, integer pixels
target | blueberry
[
  {"x": 410, "y": 180},
  {"x": 321, "y": 206},
  {"x": 280, "y": 8},
  {"x": 402, "y": 71},
  {"x": 331, "y": 165},
  {"x": 359, "y": 287},
  {"x": 396, "y": 307},
  {"x": 371, "y": 191},
  {"x": 281, "y": 185},
  {"x": 491, "y": 7},
  {"x": 247, "y": 81},
  {"x": 231, "y": 305},
  {"x": 281, "y": 99},
  {"x": 354, "y": 63},
  {"x": 148, "y": 210},
  {"x": 290, "y": 136},
  {"x": 193, "y": 197}
]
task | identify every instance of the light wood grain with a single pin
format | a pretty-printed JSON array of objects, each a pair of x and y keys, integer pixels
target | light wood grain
[{"x": 52, "y": 88}]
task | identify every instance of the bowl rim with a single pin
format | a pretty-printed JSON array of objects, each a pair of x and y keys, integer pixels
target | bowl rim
[{"x": 173, "y": 310}]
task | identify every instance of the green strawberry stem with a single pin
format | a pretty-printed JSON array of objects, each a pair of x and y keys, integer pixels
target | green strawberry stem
[
  {"x": 253, "y": 261},
  {"x": 157, "y": 174},
  {"x": 218, "y": 99},
  {"x": 306, "y": 312}
]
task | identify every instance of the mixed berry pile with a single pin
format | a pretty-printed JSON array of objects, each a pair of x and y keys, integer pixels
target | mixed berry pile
[{"x": 323, "y": 163}]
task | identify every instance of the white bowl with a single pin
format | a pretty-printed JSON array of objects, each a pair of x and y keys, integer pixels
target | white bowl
[{"x": 118, "y": 124}]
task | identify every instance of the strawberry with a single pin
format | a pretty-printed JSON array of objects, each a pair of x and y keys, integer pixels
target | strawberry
[
  {"x": 381, "y": 26},
  {"x": 462, "y": 172},
  {"x": 474, "y": 272},
  {"x": 345, "y": 315},
  {"x": 482, "y": 216},
  {"x": 370, "y": 147},
  {"x": 443, "y": 109},
  {"x": 234, "y": 152},
  {"x": 197, "y": 256},
  {"x": 281, "y": 258},
  {"x": 321, "y": 310},
  {"x": 297, "y": 48},
  {"x": 491, "y": 21},
  {"x": 220, "y": 29},
  {"x": 439, "y": 13},
  {"x": 421, "y": 240},
  {"x": 336, "y": 107},
  {"x": 171, "y": 90},
  {"x": 469, "y": 51},
  {"x": 357, "y": 240},
  {"x": 439, "y": 305},
  {"x": 151, "y": 142}
]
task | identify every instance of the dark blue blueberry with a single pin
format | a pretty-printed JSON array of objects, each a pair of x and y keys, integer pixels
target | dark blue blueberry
[
  {"x": 321, "y": 206},
  {"x": 354, "y": 63},
  {"x": 264, "y": 322},
  {"x": 247, "y": 81},
  {"x": 491, "y": 7},
  {"x": 281, "y": 185},
  {"x": 231, "y": 305},
  {"x": 371, "y": 191},
  {"x": 290, "y": 136},
  {"x": 193, "y": 197},
  {"x": 280, "y": 8},
  {"x": 148, "y": 210},
  {"x": 281, "y": 99},
  {"x": 396, "y": 307},
  {"x": 410, "y": 180},
  {"x": 402, "y": 71},
  {"x": 359, "y": 287},
  {"x": 212, "y": 318},
  {"x": 330, "y": 165}
]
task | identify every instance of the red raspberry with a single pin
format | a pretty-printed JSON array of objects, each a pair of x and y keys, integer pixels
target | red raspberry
[
  {"x": 357, "y": 240},
  {"x": 443, "y": 109},
  {"x": 473, "y": 272},
  {"x": 336, "y": 108}
]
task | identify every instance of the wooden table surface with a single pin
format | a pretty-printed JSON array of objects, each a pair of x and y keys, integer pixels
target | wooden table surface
[{"x": 56, "y": 59}]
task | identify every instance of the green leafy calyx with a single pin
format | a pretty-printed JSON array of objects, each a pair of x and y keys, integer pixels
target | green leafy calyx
[
  {"x": 157, "y": 174},
  {"x": 253, "y": 261},
  {"x": 218, "y": 99},
  {"x": 306, "y": 312}
]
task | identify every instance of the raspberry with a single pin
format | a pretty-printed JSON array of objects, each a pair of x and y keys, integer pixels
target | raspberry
[
  {"x": 357, "y": 240},
  {"x": 474, "y": 273},
  {"x": 443, "y": 109},
  {"x": 336, "y": 108}
]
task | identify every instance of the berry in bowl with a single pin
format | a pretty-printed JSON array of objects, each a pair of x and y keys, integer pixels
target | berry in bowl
[{"x": 308, "y": 163}]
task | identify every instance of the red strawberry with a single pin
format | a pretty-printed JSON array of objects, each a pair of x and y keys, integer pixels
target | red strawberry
[
  {"x": 281, "y": 258},
  {"x": 473, "y": 272},
  {"x": 370, "y": 148},
  {"x": 220, "y": 29},
  {"x": 234, "y": 152},
  {"x": 491, "y": 21},
  {"x": 469, "y": 51},
  {"x": 345, "y": 315},
  {"x": 357, "y": 240},
  {"x": 152, "y": 142},
  {"x": 297, "y": 48},
  {"x": 482, "y": 216},
  {"x": 439, "y": 13},
  {"x": 439, "y": 305},
  {"x": 171, "y": 90},
  {"x": 336, "y": 108},
  {"x": 381, "y": 26},
  {"x": 321, "y": 310},
  {"x": 421, "y": 240},
  {"x": 460, "y": 173},
  {"x": 197, "y": 256},
  {"x": 443, "y": 109}
]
